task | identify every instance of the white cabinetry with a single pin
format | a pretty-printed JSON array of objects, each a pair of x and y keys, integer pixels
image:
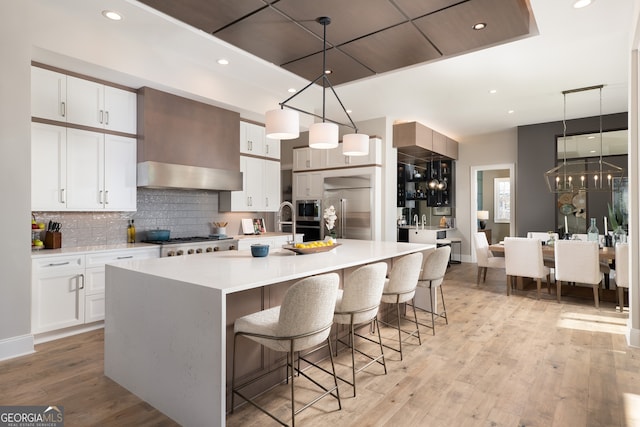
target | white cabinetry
[
  {"x": 68, "y": 290},
  {"x": 59, "y": 97},
  {"x": 75, "y": 169},
  {"x": 57, "y": 293},
  {"x": 307, "y": 185},
  {"x": 253, "y": 141},
  {"x": 306, "y": 158},
  {"x": 261, "y": 187}
]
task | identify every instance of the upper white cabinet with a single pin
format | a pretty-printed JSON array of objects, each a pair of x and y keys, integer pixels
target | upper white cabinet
[
  {"x": 260, "y": 187},
  {"x": 306, "y": 158},
  {"x": 59, "y": 97},
  {"x": 253, "y": 141},
  {"x": 77, "y": 170}
]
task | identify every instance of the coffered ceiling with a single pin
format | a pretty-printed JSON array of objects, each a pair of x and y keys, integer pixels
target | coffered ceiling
[{"x": 365, "y": 37}]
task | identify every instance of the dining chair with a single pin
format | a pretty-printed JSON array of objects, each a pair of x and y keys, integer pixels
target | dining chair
[
  {"x": 400, "y": 288},
  {"x": 578, "y": 261},
  {"x": 357, "y": 304},
  {"x": 523, "y": 258},
  {"x": 302, "y": 322},
  {"x": 485, "y": 257},
  {"x": 605, "y": 268},
  {"x": 544, "y": 236},
  {"x": 622, "y": 271}
]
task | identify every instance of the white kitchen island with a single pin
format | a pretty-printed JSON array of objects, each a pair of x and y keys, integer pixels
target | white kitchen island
[{"x": 165, "y": 324}]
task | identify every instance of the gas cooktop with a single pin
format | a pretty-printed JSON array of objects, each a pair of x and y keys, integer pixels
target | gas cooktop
[{"x": 194, "y": 239}]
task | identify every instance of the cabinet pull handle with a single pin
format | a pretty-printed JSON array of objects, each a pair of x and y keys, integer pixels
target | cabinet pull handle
[
  {"x": 101, "y": 116},
  {"x": 63, "y": 109},
  {"x": 62, "y": 196},
  {"x": 266, "y": 148},
  {"x": 100, "y": 199},
  {"x": 82, "y": 280},
  {"x": 308, "y": 163},
  {"x": 106, "y": 197},
  {"x": 106, "y": 115},
  {"x": 57, "y": 264},
  {"x": 125, "y": 257}
]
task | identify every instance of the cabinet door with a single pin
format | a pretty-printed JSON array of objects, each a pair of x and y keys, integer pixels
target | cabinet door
[
  {"x": 48, "y": 94},
  {"x": 301, "y": 159},
  {"x": 85, "y": 102},
  {"x": 120, "y": 173},
  {"x": 307, "y": 185},
  {"x": 94, "y": 308},
  {"x": 271, "y": 185},
  {"x": 272, "y": 148},
  {"x": 57, "y": 294},
  {"x": 85, "y": 170},
  {"x": 251, "y": 139},
  {"x": 254, "y": 170},
  {"x": 120, "y": 108},
  {"x": 335, "y": 158},
  {"x": 48, "y": 167}
]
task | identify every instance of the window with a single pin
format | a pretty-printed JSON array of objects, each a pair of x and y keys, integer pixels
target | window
[{"x": 502, "y": 200}]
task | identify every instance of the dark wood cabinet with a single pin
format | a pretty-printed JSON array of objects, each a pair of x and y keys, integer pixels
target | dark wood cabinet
[{"x": 415, "y": 186}]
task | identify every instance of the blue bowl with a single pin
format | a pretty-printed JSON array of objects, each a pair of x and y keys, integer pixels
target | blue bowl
[{"x": 259, "y": 250}]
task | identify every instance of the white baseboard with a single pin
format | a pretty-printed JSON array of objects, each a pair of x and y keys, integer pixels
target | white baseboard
[
  {"x": 633, "y": 337},
  {"x": 67, "y": 332},
  {"x": 16, "y": 346}
]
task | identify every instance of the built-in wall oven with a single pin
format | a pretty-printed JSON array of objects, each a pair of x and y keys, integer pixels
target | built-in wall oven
[
  {"x": 309, "y": 219},
  {"x": 311, "y": 229}
]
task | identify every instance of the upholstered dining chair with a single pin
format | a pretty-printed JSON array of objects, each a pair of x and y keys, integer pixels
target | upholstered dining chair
[
  {"x": 400, "y": 288},
  {"x": 622, "y": 271},
  {"x": 302, "y": 322},
  {"x": 434, "y": 267},
  {"x": 543, "y": 236},
  {"x": 485, "y": 257},
  {"x": 523, "y": 258},
  {"x": 357, "y": 304},
  {"x": 578, "y": 261}
]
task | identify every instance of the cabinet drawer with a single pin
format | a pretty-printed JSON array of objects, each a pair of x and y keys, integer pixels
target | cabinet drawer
[
  {"x": 99, "y": 259},
  {"x": 40, "y": 265}
]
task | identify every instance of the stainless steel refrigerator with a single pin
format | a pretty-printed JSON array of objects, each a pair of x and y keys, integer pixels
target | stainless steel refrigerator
[{"x": 352, "y": 199}]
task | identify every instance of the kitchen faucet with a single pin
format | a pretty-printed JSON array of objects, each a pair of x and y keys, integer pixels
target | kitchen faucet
[
  {"x": 424, "y": 219},
  {"x": 292, "y": 222},
  {"x": 415, "y": 220}
]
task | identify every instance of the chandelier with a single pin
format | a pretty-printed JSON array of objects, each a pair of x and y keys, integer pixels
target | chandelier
[
  {"x": 284, "y": 124},
  {"x": 581, "y": 175}
]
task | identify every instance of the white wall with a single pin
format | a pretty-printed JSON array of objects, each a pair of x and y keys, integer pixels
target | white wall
[
  {"x": 488, "y": 149},
  {"x": 15, "y": 183}
]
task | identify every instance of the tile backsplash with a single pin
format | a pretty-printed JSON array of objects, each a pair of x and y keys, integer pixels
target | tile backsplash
[{"x": 184, "y": 212}]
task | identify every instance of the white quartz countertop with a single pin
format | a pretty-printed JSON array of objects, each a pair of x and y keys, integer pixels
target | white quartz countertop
[
  {"x": 39, "y": 253},
  {"x": 234, "y": 271},
  {"x": 428, "y": 227}
]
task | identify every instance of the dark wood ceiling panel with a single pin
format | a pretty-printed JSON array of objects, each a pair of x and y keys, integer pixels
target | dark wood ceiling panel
[
  {"x": 269, "y": 35},
  {"x": 393, "y": 48},
  {"x": 344, "y": 69},
  {"x": 451, "y": 29},
  {"x": 208, "y": 16},
  {"x": 415, "y": 9},
  {"x": 349, "y": 19}
]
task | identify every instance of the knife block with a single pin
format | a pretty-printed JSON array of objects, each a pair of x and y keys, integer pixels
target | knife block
[{"x": 53, "y": 240}]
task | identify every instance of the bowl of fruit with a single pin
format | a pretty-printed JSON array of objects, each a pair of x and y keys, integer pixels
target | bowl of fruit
[{"x": 312, "y": 247}]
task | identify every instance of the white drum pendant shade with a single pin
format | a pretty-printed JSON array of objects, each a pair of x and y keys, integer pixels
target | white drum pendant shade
[
  {"x": 323, "y": 135},
  {"x": 282, "y": 124},
  {"x": 355, "y": 144}
]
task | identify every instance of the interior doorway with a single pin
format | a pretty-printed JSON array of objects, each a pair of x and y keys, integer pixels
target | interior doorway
[{"x": 488, "y": 194}]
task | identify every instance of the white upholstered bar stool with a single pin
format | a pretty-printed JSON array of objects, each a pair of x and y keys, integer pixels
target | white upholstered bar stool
[
  {"x": 400, "y": 288},
  {"x": 357, "y": 304},
  {"x": 578, "y": 261},
  {"x": 485, "y": 257},
  {"x": 302, "y": 322},
  {"x": 523, "y": 258},
  {"x": 434, "y": 267},
  {"x": 622, "y": 271}
]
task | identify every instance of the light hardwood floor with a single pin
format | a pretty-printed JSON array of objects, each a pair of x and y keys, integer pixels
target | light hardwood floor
[{"x": 501, "y": 361}]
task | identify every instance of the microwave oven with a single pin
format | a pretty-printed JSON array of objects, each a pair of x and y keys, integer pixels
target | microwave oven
[{"x": 308, "y": 210}]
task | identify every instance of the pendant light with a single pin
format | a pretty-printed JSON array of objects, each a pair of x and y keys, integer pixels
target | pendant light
[
  {"x": 433, "y": 182},
  {"x": 284, "y": 124},
  {"x": 582, "y": 175}
]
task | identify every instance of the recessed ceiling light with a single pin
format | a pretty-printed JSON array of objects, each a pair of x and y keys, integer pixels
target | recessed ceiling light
[
  {"x": 510, "y": 111},
  {"x": 223, "y": 61},
  {"x": 349, "y": 111},
  {"x": 591, "y": 137},
  {"x": 328, "y": 71},
  {"x": 291, "y": 90},
  {"x": 592, "y": 151},
  {"x": 479, "y": 26},
  {"x": 492, "y": 91},
  {"x": 110, "y": 14},
  {"x": 578, "y": 4}
]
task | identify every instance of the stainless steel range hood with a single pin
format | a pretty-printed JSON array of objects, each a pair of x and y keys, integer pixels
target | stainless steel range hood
[{"x": 168, "y": 175}]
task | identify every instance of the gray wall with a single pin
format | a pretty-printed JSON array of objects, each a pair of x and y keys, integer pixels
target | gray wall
[{"x": 535, "y": 205}]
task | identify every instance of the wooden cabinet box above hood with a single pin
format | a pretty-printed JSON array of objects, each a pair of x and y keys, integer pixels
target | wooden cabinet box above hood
[
  {"x": 414, "y": 140},
  {"x": 177, "y": 130}
]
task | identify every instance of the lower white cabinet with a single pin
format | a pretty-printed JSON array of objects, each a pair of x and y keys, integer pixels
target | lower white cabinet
[{"x": 69, "y": 290}]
